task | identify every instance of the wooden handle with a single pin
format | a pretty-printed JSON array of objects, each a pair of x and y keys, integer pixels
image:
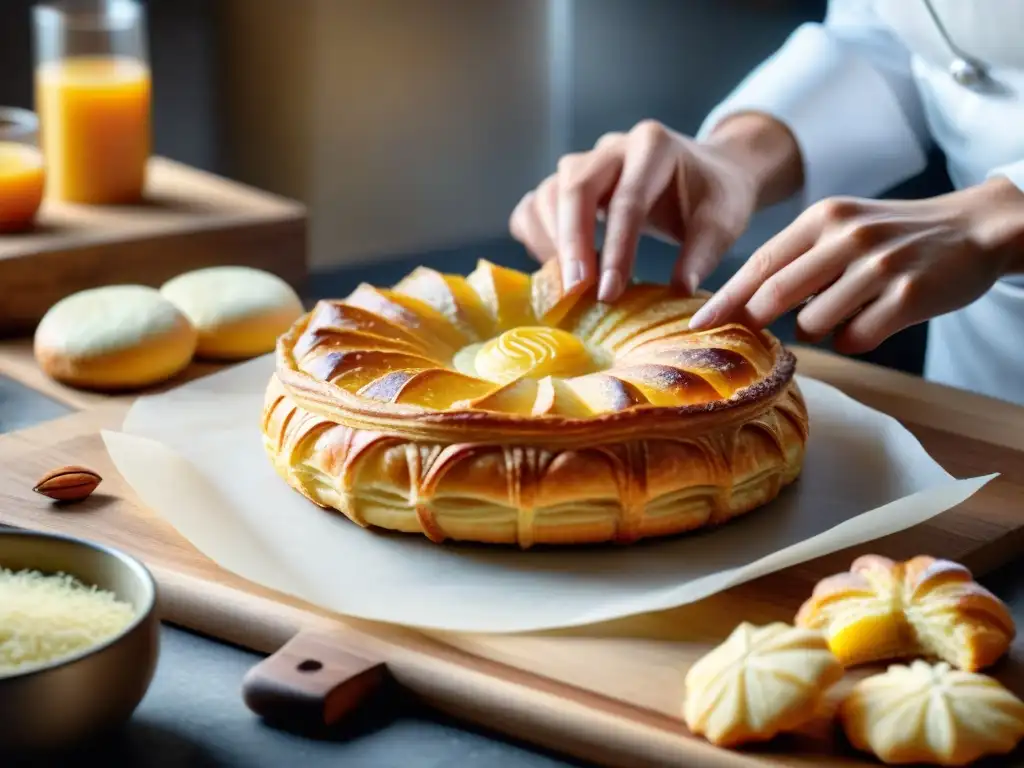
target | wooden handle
[{"x": 312, "y": 682}]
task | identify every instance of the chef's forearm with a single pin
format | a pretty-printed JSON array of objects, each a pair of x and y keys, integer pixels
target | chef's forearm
[
  {"x": 995, "y": 220},
  {"x": 1013, "y": 229},
  {"x": 767, "y": 149}
]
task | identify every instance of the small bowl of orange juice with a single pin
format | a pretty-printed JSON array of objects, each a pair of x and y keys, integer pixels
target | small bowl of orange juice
[{"x": 22, "y": 171}]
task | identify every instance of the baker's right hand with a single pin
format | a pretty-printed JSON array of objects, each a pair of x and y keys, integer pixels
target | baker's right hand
[{"x": 700, "y": 195}]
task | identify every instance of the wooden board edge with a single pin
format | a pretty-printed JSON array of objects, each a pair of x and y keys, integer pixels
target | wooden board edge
[
  {"x": 471, "y": 688},
  {"x": 251, "y": 206},
  {"x": 17, "y": 363},
  {"x": 222, "y": 223},
  {"x": 285, "y": 204}
]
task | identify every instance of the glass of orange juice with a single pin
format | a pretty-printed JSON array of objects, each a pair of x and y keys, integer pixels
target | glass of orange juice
[
  {"x": 22, "y": 175},
  {"x": 93, "y": 94}
]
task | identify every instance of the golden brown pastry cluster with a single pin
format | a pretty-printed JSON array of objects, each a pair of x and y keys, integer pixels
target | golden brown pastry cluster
[
  {"x": 497, "y": 407},
  {"x": 763, "y": 681}
]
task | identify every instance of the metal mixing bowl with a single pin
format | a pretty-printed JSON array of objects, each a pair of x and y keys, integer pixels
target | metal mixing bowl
[{"x": 88, "y": 694}]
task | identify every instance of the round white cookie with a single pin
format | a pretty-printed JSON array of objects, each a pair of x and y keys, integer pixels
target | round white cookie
[
  {"x": 239, "y": 312},
  {"x": 116, "y": 337}
]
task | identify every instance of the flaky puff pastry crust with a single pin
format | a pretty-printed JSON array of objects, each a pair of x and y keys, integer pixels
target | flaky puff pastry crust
[
  {"x": 760, "y": 682},
  {"x": 886, "y": 610},
  {"x": 933, "y": 715},
  {"x": 498, "y": 408}
]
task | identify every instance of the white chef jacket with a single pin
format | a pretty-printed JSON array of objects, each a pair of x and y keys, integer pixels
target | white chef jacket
[{"x": 866, "y": 93}]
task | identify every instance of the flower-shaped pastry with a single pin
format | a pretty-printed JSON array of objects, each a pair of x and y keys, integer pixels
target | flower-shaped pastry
[
  {"x": 760, "y": 682},
  {"x": 932, "y": 714},
  {"x": 883, "y": 610}
]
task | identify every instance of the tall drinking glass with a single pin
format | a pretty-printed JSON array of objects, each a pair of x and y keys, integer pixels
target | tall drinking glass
[
  {"x": 22, "y": 175},
  {"x": 93, "y": 94}
]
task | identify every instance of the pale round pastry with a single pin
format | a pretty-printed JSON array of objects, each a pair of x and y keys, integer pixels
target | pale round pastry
[
  {"x": 499, "y": 408},
  {"x": 762, "y": 681},
  {"x": 115, "y": 337},
  {"x": 238, "y": 311},
  {"x": 933, "y": 715}
]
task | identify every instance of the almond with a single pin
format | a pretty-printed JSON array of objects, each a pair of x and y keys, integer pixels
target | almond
[{"x": 68, "y": 483}]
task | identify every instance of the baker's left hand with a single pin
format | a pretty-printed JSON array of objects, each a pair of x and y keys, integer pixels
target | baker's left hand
[{"x": 865, "y": 269}]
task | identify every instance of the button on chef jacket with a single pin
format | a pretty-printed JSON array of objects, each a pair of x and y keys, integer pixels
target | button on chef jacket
[{"x": 866, "y": 93}]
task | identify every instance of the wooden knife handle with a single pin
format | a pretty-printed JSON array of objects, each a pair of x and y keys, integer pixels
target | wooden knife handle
[{"x": 312, "y": 682}]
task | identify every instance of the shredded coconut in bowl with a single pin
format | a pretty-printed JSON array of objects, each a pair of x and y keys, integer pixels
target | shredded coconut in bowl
[{"x": 47, "y": 617}]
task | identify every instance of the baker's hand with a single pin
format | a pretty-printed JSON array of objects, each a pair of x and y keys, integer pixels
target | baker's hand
[
  {"x": 867, "y": 269},
  {"x": 697, "y": 194}
]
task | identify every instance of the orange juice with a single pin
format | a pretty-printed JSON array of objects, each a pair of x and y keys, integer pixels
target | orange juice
[
  {"x": 94, "y": 115},
  {"x": 21, "y": 186}
]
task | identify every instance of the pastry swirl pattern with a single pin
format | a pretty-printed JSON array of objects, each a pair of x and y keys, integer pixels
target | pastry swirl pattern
[{"x": 498, "y": 408}]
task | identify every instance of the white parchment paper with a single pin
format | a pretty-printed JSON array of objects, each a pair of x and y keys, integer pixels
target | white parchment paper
[{"x": 194, "y": 455}]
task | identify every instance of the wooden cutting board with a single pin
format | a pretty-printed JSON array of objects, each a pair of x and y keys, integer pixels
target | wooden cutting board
[{"x": 609, "y": 693}]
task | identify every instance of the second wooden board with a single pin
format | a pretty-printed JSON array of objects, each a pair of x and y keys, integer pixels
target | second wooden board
[{"x": 190, "y": 219}]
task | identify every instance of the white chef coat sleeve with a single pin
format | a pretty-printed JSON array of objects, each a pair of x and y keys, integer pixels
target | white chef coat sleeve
[
  {"x": 1012, "y": 171},
  {"x": 845, "y": 89}
]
